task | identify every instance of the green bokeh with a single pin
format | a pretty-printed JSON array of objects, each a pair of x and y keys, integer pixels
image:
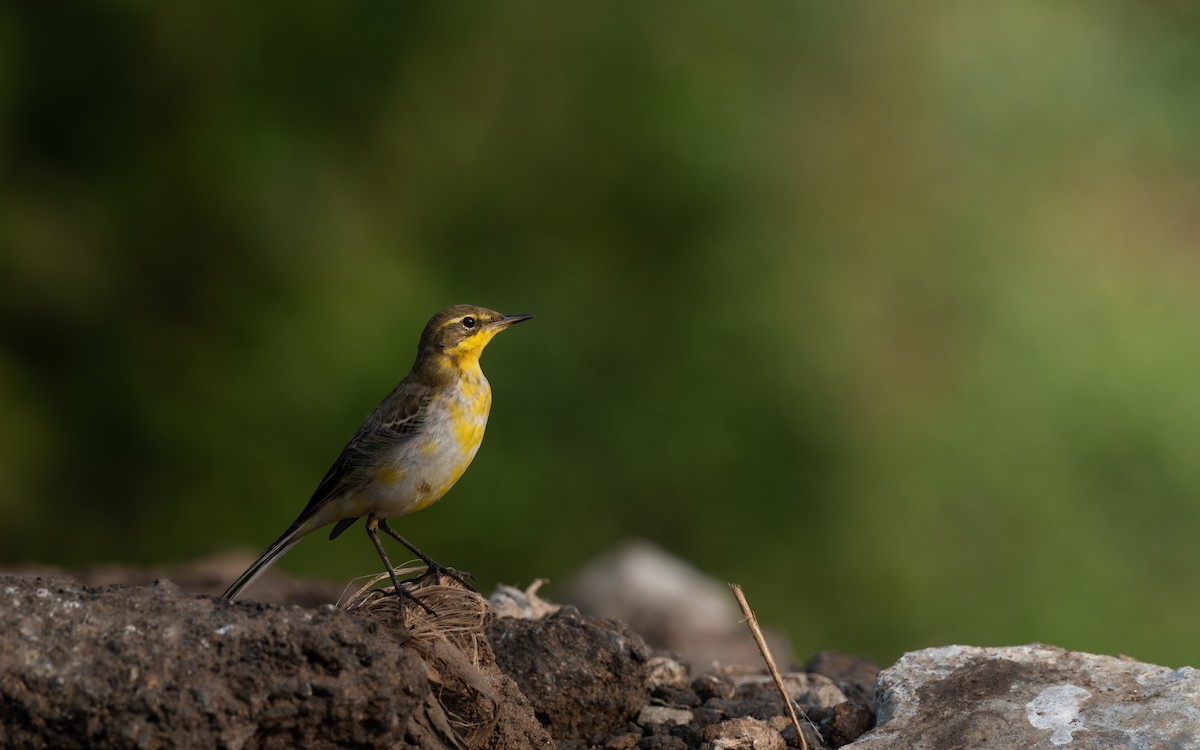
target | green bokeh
[{"x": 887, "y": 311}]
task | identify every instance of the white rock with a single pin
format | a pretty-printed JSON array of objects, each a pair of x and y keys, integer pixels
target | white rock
[{"x": 1032, "y": 696}]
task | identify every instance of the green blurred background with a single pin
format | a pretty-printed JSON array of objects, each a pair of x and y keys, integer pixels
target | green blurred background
[{"x": 887, "y": 311}]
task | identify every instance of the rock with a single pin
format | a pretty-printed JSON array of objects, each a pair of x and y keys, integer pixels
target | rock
[
  {"x": 671, "y": 604},
  {"x": 661, "y": 742},
  {"x": 206, "y": 575},
  {"x": 815, "y": 694},
  {"x": 713, "y": 685},
  {"x": 847, "y": 722},
  {"x": 664, "y": 715},
  {"x": 744, "y": 734},
  {"x": 117, "y": 666},
  {"x": 676, "y": 697},
  {"x": 623, "y": 741},
  {"x": 666, "y": 671},
  {"x": 583, "y": 676},
  {"x": 509, "y": 601},
  {"x": 854, "y": 675},
  {"x": 1031, "y": 696},
  {"x": 733, "y": 694}
]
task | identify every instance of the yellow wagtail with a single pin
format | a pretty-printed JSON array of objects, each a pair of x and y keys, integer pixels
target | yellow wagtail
[{"x": 413, "y": 447}]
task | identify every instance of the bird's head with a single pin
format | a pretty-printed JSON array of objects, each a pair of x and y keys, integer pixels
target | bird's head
[{"x": 462, "y": 331}]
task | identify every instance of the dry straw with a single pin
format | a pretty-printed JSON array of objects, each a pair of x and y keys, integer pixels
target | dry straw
[{"x": 752, "y": 623}]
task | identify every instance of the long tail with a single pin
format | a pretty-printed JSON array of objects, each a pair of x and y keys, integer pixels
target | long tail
[{"x": 268, "y": 558}]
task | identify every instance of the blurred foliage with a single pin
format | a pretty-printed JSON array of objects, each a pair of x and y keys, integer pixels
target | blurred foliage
[{"x": 887, "y": 311}]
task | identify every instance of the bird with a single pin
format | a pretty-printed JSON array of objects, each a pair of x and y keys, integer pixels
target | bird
[{"x": 411, "y": 449}]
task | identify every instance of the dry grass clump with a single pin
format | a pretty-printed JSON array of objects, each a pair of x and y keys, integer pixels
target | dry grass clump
[
  {"x": 448, "y": 633},
  {"x": 451, "y": 613}
]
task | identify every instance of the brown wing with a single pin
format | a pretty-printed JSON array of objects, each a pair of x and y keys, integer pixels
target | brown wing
[{"x": 397, "y": 418}]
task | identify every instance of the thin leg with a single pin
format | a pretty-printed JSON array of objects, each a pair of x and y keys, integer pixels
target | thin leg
[
  {"x": 400, "y": 591},
  {"x": 433, "y": 566}
]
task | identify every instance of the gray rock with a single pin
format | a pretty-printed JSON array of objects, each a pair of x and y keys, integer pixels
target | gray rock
[
  {"x": 666, "y": 671},
  {"x": 672, "y": 605},
  {"x": 664, "y": 715},
  {"x": 509, "y": 601},
  {"x": 1032, "y": 696}
]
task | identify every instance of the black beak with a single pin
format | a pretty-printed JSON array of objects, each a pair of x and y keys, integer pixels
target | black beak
[{"x": 509, "y": 320}]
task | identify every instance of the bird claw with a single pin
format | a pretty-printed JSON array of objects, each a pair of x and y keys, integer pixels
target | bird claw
[
  {"x": 458, "y": 576},
  {"x": 401, "y": 593},
  {"x": 436, "y": 572}
]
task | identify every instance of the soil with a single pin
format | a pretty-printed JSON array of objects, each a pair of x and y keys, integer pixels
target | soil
[{"x": 153, "y": 666}]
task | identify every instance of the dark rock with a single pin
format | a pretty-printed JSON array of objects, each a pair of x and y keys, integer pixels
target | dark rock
[
  {"x": 207, "y": 575},
  {"x": 621, "y": 741},
  {"x": 582, "y": 675},
  {"x": 847, "y": 722},
  {"x": 815, "y": 694},
  {"x": 625, "y": 736},
  {"x": 853, "y": 674},
  {"x": 670, "y": 695},
  {"x": 711, "y": 685},
  {"x": 117, "y": 666},
  {"x": 703, "y": 716},
  {"x": 661, "y": 742},
  {"x": 135, "y": 667},
  {"x": 691, "y": 735},
  {"x": 753, "y": 708},
  {"x": 814, "y": 738}
]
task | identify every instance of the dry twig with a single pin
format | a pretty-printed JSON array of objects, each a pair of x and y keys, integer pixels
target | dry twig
[{"x": 752, "y": 623}]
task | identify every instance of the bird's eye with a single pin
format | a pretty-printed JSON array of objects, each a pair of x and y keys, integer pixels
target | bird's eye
[{"x": 468, "y": 322}]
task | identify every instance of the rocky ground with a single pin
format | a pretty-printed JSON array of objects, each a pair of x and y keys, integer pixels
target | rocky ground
[
  {"x": 154, "y": 666},
  {"x": 88, "y": 663}
]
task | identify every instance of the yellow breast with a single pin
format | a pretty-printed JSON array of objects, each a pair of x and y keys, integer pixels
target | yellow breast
[{"x": 453, "y": 431}]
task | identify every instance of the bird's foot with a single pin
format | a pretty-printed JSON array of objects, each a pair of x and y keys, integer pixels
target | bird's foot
[
  {"x": 458, "y": 576},
  {"x": 401, "y": 593}
]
